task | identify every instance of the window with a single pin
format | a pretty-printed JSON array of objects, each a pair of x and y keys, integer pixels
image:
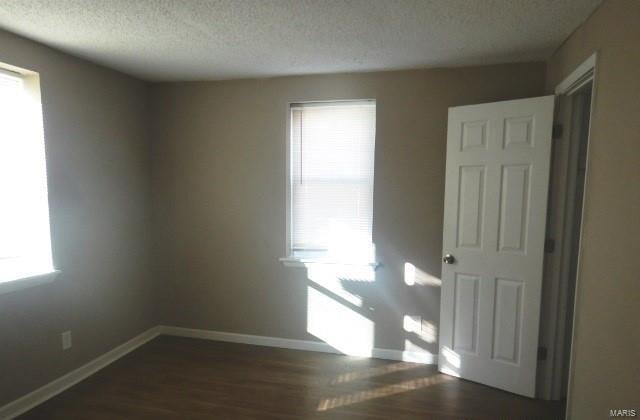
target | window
[
  {"x": 25, "y": 246},
  {"x": 331, "y": 181}
]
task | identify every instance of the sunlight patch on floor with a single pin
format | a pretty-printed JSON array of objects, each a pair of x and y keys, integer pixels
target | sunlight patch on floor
[
  {"x": 373, "y": 372},
  {"x": 381, "y": 392}
]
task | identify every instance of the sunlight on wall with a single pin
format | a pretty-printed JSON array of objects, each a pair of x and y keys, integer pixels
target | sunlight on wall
[
  {"x": 342, "y": 328},
  {"x": 411, "y": 347},
  {"x": 413, "y": 275},
  {"x": 332, "y": 276},
  {"x": 381, "y": 392},
  {"x": 425, "y": 330}
]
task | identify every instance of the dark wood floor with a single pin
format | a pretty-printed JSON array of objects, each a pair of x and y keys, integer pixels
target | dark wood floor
[{"x": 182, "y": 378}]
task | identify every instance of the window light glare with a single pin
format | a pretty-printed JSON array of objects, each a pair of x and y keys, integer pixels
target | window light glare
[
  {"x": 25, "y": 245},
  {"x": 331, "y": 180}
]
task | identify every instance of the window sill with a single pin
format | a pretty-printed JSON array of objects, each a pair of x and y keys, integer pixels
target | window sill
[
  {"x": 295, "y": 261},
  {"x": 9, "y": 286}
]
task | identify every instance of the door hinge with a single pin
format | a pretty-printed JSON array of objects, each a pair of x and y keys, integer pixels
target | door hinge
[
  {"x": 542, "y": 353},
  {"x": 549, "y": 246},
  {"x": 556, "y": 132}
]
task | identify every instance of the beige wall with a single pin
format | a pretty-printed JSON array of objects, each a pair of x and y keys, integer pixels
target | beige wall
[
  {"x": 606, "y": 364},
  {"x": 98, "y": 173},
  {"x": 219, "y": 177}
]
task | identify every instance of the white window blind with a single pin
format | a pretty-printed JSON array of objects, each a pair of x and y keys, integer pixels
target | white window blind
[
  {"x": 25, "y": 248},
  {"x": 332, "y": 163}
]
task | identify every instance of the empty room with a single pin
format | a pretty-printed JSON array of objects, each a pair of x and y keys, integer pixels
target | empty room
[{"x": 319, "y": 209}]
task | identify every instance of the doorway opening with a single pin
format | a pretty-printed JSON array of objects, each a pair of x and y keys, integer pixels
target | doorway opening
[
  {"x": 580, "y": 103},
  {"x": 564, "y": 228}
]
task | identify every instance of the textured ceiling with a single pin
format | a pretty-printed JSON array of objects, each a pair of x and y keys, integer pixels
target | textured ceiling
[{"x": 222, "y": 39}]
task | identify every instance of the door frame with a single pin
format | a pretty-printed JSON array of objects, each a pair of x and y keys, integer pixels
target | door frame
[{"x": 558, "y": 302}]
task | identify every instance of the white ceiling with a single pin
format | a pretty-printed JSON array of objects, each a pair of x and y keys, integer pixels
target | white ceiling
[{"x": 223, "y": 39}]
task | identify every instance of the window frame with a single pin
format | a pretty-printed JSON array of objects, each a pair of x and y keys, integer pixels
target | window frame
[
  {"x": 31, "y": 85},
  {"x": 300, "y": 258}
]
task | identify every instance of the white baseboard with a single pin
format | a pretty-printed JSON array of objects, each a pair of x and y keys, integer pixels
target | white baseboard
[
  {"x": 287, "y": 343},
  {"x": 40, "y": 395}
]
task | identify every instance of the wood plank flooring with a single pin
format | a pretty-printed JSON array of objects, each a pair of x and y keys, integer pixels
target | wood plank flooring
[{"x": 182, "y": 378}]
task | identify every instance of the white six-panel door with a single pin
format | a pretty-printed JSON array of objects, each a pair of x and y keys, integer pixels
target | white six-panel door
[{"x": 494, "y": 224}]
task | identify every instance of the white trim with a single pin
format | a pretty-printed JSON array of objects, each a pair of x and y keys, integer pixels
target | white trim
[
  {"x": 11, "y": 73},
  {"x": 288, "y": 176},
  {"x": 40, "y": 395},
  {"x": 327, "y": 104},
  {"x": 594, "y": 93},
  {"x": 257, "y": 340},
  {"x": 565, "y": 239},
  {"x": 11, "y": 70},
  {"x": 581, "y": 75},
  {"x": 585, "y": 73},
  {"x": 26, "y": 282},
  {"x": 294, "y": 261},
  {"x": 287, "y": 343}
]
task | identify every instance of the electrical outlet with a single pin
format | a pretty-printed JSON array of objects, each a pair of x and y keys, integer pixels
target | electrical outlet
[{"x": 66, "y": 340}]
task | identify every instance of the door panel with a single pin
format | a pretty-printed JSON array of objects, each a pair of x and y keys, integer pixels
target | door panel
[
  {"x": 471, "y": 206},
  {"x": 465, "y": 326},
  {"x": 514, "y": 197},
  {"x": 506, "y": 321},
  {"x": 474, "y": 135},
  {"x": 495, "y": 209}
]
